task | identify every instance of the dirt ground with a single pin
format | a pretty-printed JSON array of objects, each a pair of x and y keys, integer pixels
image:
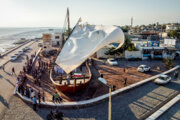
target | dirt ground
[{"x": 114, "y": 75}]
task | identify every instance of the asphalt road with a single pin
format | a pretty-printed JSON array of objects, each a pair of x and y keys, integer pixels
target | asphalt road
[
  {"x": 172, "y": 114},
  {"x": 131, "y": 105}
]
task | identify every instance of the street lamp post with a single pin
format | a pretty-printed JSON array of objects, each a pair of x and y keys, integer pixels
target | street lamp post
[{"x": 105, "y": 82}]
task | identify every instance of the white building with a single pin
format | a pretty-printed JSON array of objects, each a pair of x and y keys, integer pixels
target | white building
[
  {"x": 170, "y": 27},
  {"x": 170, "y": 42},
  {"x": 163, "y": 34},
  {"x": 57, "y": 39}
]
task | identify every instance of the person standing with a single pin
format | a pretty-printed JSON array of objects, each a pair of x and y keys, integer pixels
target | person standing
[
  {"x": 13, "y": 71},
  {"x": 39, "y": 98},
  {"x": 32, "y": 94},
  {"x": 43, "y": 97},
  {"x": 3, "y": 68},
  {"x": 24, "y": 69},
  {"x": 176, "y": 74},
  {"x": 56, "y": 97},
  {"x": 68, "y": 79},
  {"x": 34, "y": 103},
  {"x": 125, "y": 81},
  {"x": 124, "y": 69}
]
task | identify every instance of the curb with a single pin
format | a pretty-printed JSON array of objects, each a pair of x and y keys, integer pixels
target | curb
[
  {"x": 89, "y": 102},
  {"x": 164, "y": 108}
]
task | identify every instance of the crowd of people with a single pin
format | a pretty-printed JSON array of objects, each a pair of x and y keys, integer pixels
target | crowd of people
[{"x": 36, "y": 73}]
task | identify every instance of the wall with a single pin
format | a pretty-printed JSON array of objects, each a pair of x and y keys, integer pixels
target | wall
[
  {"x": 101, "y": 53},
  {"x": 133, "y": 54},
  {"x": 47, "y": 40},
  {"x": 56, "y": 40}
]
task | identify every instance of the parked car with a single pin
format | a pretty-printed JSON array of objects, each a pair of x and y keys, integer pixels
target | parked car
[
  {"x": 40, "y": 44},
  {"x": 27, "y": 48},
  {"x": 17, "y": 55},
  {"x": 13, "y": 58},
  {"x": 144, "y": 68},
  {"x": 177, "y": 53},
  {"x": 112, "y": 61},
  {"x": 24, "y": 49},
  {"x": 20, "y": 52},
  {"x": 162, "y": 79}
]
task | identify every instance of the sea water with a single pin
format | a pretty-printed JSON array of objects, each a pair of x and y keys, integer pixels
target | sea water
[{"x": 10, "y": 36}]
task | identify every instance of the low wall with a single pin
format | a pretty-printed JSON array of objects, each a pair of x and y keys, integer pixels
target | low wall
[
  {"x": 89, "y": 102},
  {"x": 133, "y": 54}
]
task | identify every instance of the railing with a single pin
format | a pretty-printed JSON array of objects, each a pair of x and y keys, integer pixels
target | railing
[{"x": 61, "y": 78}]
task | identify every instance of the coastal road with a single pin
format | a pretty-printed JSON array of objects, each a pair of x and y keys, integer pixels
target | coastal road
[
  {"x": 7, "y": 57},
  {"x": 132, "y": 105},
  {"x": 7, "y": 81}
]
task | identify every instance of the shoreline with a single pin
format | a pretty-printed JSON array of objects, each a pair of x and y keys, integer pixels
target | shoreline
[
  {"x": 19, "y": 44},
  {"x": 16, "y": 44}
]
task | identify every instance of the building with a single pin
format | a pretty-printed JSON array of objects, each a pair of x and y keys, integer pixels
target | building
[
  {"x": 163, "y": 34},
  {"x": 47, "y": 40},
  {"x": 57, "y": 39},
  {"x": 52, "y": 39},
  {"x": 149, "y": 35},
  {"x": 158, "y": 52},
  {"x": 172, "y": 26},
  {"x": 170, "y": 42}
]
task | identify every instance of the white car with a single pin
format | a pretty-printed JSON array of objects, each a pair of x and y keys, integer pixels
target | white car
[
  {"x": 13, "y": 58},
  {"x": 178, "y": 53},
  {"x": 20, "y": 52},
  {"x": 162, "y": 79},
  {"x": 144, "y": 68},
  {"x": 112, "y": 61}
]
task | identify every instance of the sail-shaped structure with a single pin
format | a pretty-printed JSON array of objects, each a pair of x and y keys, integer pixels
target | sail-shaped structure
[{"x": 84, "y": 41}]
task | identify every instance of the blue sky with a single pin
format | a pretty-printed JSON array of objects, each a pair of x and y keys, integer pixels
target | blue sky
[{"x": 51, "y": 13}]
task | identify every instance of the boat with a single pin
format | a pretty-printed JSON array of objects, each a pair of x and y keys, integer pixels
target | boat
[
  {"x": 78, "y": 81},
  {"x": 50, "y": 29},
  {"x": 83, "y": 41}
]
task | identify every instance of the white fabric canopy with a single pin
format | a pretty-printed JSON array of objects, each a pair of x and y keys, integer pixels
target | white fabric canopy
[{"x": 84, "y": 41}]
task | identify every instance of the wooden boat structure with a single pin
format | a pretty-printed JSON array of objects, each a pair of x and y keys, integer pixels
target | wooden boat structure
[{"x": 76, "y": 83}]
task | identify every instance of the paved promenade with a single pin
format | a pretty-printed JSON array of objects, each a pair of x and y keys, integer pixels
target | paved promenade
[{"x": 8, "y": 82}]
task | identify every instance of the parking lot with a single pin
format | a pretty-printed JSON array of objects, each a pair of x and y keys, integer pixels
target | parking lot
[{"x": 116, "y": 75}]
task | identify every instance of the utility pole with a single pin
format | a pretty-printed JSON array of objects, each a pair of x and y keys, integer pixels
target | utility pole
[{"x": 68, "y": 20}]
